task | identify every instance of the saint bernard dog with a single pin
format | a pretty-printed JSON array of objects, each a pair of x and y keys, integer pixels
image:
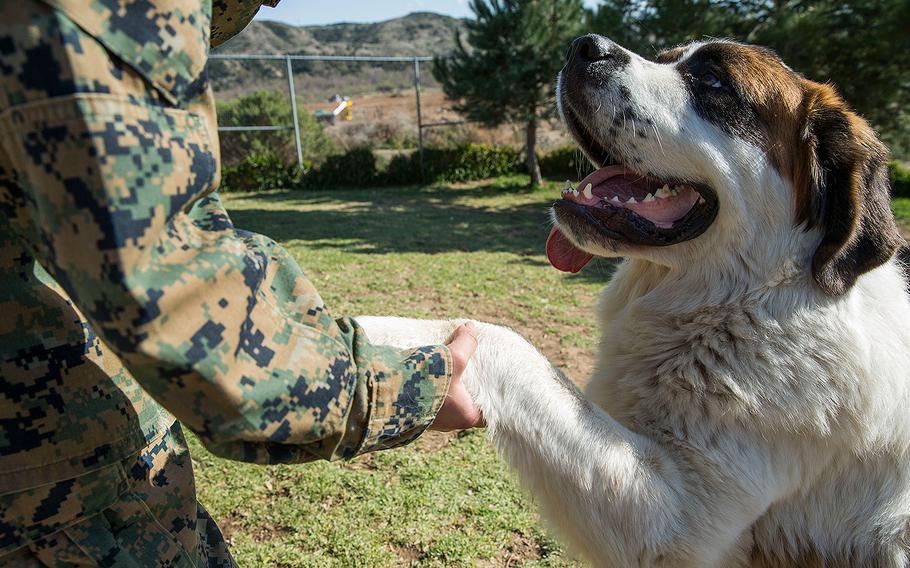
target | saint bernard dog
[{"x": 750, "y": 404}]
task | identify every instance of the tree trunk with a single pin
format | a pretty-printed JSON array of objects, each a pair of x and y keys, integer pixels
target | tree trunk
[{"x": 531, "y": 149}]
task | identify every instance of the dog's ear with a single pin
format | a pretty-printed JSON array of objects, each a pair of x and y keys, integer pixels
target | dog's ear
[{"x": 844, "y": 175}]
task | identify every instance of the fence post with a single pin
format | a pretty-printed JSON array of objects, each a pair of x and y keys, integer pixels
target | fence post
[
  {"x": 419, "y": 115},
  {"x": 294, "y": 111}
]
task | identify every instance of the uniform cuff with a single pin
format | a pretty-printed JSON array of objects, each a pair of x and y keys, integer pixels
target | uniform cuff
[{"x": 405, "y": 395}]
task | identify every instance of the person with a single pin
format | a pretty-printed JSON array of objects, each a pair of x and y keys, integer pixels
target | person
[{"x": 130, "y": 301}]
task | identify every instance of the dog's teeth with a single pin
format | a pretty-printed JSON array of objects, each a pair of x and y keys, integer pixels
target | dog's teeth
[
  {"x": 649, "y": 198},
  {"x": 575, "y": 192},
  {"x": 615, "y": 199},
  {"x": 587, "y": 193},
  {"x": 631, "y": 200},
  {"x": 662, "y": 192}
]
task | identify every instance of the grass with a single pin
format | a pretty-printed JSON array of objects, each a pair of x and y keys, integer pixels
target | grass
[
  {"x": 468, "y": 250},
  {"x": 901, "y": 208}
]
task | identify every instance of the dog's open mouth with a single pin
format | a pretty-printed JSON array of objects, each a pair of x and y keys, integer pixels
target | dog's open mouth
[{"x": 618, "y": 205}]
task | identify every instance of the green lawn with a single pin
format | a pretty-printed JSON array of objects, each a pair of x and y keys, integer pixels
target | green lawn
[{"x": 468, "y": 250}]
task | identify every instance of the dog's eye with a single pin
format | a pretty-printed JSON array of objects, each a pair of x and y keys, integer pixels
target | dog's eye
[{"x": 709, "y": 79}]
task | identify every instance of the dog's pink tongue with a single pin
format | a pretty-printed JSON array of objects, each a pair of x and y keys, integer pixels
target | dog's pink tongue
[{"x": 563, "y": 255}]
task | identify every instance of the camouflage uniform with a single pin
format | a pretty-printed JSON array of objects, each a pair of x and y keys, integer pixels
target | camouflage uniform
[{"x": 129, "y": 298}]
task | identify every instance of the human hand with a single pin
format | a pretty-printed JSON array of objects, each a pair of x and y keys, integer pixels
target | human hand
[{"x": 458, "y": 412}]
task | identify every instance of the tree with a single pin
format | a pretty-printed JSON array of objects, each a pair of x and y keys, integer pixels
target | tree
[
  {"x": 857, "y": 46},
  {"x": 507, "y": 70},
  {"x": 860, "y": 47}
]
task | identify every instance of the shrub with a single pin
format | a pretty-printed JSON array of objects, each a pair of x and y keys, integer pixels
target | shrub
[
  {"x": 259, "y": 172},
  {"x": 470, "y": 162},
  {"x": 354, "y": 168},
  {"x": 566, "y": 162},
  {"x": 359, "y": 167},
  {"x": 404, "y": 169},
  {"x": 463, "y": 163},
  {"x": 270, "y": 108},
  {"x": 900, "y": 179}
]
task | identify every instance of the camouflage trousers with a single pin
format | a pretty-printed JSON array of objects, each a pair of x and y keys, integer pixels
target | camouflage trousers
[{"x": 156, "y": 521}]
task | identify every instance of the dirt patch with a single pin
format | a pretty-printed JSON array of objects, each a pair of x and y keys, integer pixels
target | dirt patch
[
  {"x": 231, "y": 525},
  {"x": 520, "y": 550},
  {"x": 391, "y": 117},
  {"x": 433, "y": 441},
  {"x": 269, "y": 533},
  {"x": 407, "y": 555},
  {"x": 364, "y": 462},
  {"x": 235, "y": 523}
]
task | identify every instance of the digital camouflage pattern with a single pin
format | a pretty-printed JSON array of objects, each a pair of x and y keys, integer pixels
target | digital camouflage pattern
[
  {"x": 151, "y": 518},
  {"x": 128, "y": 296}
]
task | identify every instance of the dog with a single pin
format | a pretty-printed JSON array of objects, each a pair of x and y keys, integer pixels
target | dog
[{"x": 750, "y": 404}]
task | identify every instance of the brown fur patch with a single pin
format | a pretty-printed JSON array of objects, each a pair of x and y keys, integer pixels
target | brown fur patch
[
  {"x": 777, "y": 95},
  {"x": 848, "y": 191},
  {"x": 830, "y": 154},
  {"x": 671, "y": 55},
  {"x": 806, "y": 174}
]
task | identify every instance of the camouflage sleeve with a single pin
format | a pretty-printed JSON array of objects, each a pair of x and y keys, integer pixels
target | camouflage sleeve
[{"x": 112, "y": 191}]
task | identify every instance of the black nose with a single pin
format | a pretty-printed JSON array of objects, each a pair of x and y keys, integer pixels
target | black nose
[{"x": 592, "y": 47}]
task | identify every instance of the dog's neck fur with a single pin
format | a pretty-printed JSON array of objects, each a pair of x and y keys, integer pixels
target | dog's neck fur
[{"x": 755, "y": 322}]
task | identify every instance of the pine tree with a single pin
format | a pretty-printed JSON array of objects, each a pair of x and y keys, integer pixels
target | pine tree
[
  {"x": 858, "y": 46},
  {"x": 507, "y": 70}
]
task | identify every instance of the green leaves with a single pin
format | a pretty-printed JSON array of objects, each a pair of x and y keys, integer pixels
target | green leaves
[
  {"x": 269, "y": 108},
  {"x": 861, "y": 47},
  {"x": 506, "y": 70}
]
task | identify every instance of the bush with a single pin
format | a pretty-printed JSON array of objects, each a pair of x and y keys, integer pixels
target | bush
[
  {"x": 404, "y": 169},
  {"x": 354, "y": 168},
  {"x": 470, "y": 162},
  {"x": 270, "y": 108},
  {"x": 464, "y": 163},
  {"x": 259, "y": 172},
  {"x": 359, "y": 167},
  {"x": 566, "y": 162},
  {"x": 900, "y": 179}
]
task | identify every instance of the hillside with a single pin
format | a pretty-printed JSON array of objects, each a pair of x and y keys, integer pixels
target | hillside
[{"x": 420, "y": 33}]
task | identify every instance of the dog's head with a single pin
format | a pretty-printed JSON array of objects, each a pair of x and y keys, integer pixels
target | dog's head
[{"x": 716, "y": 148}]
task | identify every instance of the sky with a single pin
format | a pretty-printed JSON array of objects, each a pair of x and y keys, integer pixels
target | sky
[{"x": 310, "y": 12}]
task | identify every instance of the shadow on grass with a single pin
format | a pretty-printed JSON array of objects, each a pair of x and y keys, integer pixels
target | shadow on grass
[
  {"x": 402, "y": 220},
  {"x": 413, "y": 219}
]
